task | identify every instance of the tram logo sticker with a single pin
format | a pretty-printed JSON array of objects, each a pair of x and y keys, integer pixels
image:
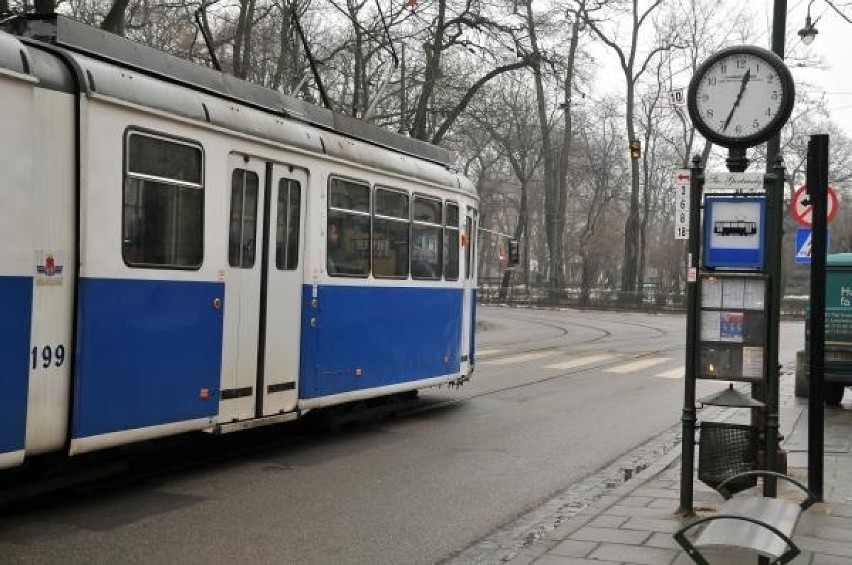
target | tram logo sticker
[{"x": 49, "y": 267}]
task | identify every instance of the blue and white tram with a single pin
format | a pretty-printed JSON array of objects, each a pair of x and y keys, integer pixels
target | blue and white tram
[{"x": 181, "y": 250}]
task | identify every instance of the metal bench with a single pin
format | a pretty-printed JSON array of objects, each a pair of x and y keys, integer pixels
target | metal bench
[{"x": 757, "y": 523}]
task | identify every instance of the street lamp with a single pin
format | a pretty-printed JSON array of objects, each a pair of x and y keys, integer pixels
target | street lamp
[{"x": 808, "y": 33}]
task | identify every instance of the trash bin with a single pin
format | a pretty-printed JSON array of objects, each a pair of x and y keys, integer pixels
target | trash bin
[{"x": 725, "y": 450}]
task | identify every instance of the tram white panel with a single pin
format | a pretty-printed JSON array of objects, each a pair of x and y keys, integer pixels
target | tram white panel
[
  {"x": 331, "y": 400},
  {"x": 103, "y": 441},
  {"x": 101, "y": 200},
  {"x": 11, "y": 459},
  {"x": 51, "y": 354},
  {"x": 254, "y": 122},
  {"x": 17, "y": 161},
  {"x": 137, "y": 88},
  {"x": 365, "y": 154}
]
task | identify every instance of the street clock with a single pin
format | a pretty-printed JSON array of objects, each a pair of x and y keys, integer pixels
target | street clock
[{"x": 741, "y": 96}]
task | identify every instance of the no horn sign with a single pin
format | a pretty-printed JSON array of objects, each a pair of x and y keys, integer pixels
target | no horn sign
[{"x": 802, "y": 208}]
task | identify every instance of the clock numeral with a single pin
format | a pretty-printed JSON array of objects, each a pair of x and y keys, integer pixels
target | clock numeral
[
  {"x": 724, "y": 68},
  {"x": 738, "y": 129},
  {"x": 770, "y": 77},
  {"x": 755, "y": 124},
  {"x": 769, "y": 111},
  {"x": 711, "y": 81},
  {"x": 775, "y": 95},
  {"x": 741, "y": 63},
  {"x": 705, "y": 97},
  {"x": 710, "y": 113}
]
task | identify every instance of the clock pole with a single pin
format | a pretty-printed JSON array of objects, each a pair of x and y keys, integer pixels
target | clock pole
[{"x": 757, "y": 104}]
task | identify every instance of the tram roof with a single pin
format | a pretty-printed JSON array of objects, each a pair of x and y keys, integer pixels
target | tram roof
[{"x": 99, "y": 44}]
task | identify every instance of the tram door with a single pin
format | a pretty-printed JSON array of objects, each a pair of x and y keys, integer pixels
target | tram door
[
  {"x": 242, "y": 288},
  {"x": 469, "y": 298},
  {"x": 283, "y": 290}
]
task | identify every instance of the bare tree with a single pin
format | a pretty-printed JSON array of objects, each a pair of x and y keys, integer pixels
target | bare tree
[
  {"x": 558, "y": 198},
  {"x": 516, "y": 132},
  {"x": 601, "y": 169},
  {"x": 633, "y": 68}
]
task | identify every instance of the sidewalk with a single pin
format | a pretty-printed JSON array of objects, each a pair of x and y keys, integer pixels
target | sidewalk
[{"x": 634, "y": 524}]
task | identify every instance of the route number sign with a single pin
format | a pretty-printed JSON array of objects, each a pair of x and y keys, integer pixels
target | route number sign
[
  {"x": 682, "y": 212},
  {"x": 682, "y": 179}
]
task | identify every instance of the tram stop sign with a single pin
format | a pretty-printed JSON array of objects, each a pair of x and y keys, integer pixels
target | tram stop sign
[{"x": 802, "y": 209}]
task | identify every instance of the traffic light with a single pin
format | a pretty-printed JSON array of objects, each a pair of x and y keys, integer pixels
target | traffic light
[
  {"x": 635, "y": 149},
  {"x": 514, "y": 253}
]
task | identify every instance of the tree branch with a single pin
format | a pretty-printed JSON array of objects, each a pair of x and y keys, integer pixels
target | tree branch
[{"x": 468, "y": 96}]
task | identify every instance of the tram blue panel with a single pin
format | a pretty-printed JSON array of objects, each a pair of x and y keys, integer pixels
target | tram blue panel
[
  {"x": 16, "y": 299},
  {"x": 146, "y": 350},
  {"x": 389, "y": 335}
]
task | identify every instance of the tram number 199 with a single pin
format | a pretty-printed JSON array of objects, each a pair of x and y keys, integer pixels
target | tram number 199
[{"x": 46, "y": 356}]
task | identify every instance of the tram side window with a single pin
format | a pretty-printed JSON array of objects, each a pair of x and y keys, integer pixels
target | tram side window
[
  {"x": 348, "y": 231},
  {"x": 391, "y": 233},
  {"x": 451, "y": 243},
  {"x": 427, "y": 238},
  {"x": 163, "y": 207},
  {"x": 242, "y": 233},
  {"x": 288, "y": 225}
]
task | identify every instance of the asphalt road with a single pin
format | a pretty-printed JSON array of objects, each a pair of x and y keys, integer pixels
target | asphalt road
[{"x": 557, "y": 395}]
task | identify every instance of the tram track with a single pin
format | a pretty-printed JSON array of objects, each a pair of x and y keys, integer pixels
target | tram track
[
  {"x": 138, "y": 465},
  {"x": 550, "y": 378},
  {"x": 562, "y": 331}
]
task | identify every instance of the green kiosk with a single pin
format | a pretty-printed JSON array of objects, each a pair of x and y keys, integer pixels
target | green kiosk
[{"x": 838, "y": 332}]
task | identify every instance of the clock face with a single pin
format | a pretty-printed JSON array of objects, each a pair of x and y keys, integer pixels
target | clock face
[{"x": 741, "y": 96}]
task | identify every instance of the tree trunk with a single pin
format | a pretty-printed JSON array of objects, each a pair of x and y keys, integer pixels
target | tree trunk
[
  {"x": 558, "y": 258},
  {"x": 551, "y": 198},
  {"x": 433, "y": 66},
  {"x": 114, "y": 20},
  {"x": 242, "y": 39},
  {"x": 631, "y": 226},
  {"x": 285, "y": 68}
]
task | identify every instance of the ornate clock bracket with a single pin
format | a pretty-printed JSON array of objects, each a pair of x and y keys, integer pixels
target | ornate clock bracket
[{"x": 737, "y": 160}]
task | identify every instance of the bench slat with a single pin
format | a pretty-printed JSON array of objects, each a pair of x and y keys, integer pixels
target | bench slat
[{"x": 781, "y": 514}]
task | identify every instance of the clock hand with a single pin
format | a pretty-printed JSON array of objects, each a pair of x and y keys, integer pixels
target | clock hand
[{"x": 746, "y": 77}]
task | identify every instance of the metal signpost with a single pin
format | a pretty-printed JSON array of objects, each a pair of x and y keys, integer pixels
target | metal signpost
[
  {"x": 819, "y": 197},
  {"x": 738, "y": 98}
]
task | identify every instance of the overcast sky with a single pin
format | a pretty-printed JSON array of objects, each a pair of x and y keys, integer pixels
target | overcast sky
[{"x": 833, "y": 46}]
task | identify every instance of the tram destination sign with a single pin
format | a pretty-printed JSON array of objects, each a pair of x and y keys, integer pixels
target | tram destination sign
[{"x": 742, "y": 182}]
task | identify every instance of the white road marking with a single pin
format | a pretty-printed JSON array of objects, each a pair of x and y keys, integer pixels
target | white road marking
[
  {"x": 676, "y": 373},
  {"x": 486, "y": 352},
  {"x": 638, "y": 365},
  {"x": 519, "y": 358},
  {"x": 580, "y": 361}
]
